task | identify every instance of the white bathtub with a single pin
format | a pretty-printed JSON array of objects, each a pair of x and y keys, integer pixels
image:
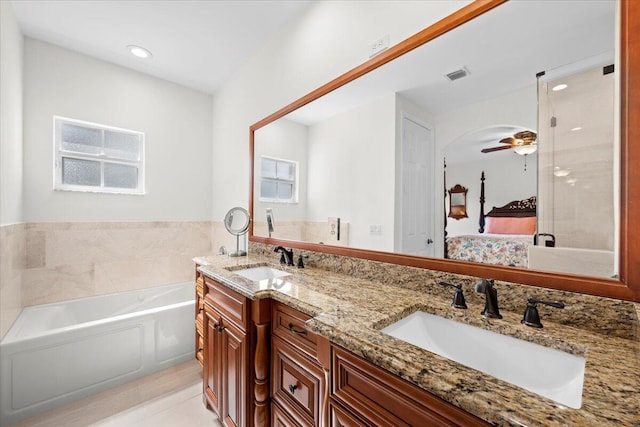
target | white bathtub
[{"x": 60, "y": 352}]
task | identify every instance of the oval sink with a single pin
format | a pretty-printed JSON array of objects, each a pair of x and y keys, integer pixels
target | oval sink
[
  {"x": 546, "y": 371},
  {"x": 257, "y": 274}
]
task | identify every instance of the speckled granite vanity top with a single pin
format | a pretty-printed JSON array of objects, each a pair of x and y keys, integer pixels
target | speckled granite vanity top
[{"x": 351, "y": 311}]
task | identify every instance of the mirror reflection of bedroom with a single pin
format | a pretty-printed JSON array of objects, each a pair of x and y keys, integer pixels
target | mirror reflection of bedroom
[
  {"x": 367, "y": 158},
  {"x": 543, "y": 196}
]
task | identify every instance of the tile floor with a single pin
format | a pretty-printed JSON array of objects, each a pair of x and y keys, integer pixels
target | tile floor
[{"x": 168, "y": 398}]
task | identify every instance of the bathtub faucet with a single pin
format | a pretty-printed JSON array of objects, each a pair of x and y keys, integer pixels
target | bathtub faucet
[{"x": 286, "y": 255}]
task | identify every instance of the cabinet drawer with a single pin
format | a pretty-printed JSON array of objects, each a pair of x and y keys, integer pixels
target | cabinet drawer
[
  {"x": 341, "y": 418},
  {"x": 229, "y": 303},
  {"x": 280, "y": 419},
  {"x": 200, "y": 323},
  {"x": 288, "y": 324},
  {"x": 199, "y": 284},
  {"x": 298, "y": 384},
  {"x": 199, "y": 304},
  {"x": 200, "y": 349},
  {"x": 383, "y": 399}
]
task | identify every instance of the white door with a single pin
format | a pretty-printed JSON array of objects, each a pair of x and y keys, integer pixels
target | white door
[{"x": 417, "y": 189}]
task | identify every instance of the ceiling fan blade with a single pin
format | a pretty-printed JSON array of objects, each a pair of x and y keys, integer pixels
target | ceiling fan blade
[
  {"x": 508, "y": 140},
  {"x": 492, "y": 149},
  {"x": 527, "y": 136}
]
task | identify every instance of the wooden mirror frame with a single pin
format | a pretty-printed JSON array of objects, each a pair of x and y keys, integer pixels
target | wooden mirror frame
[
  {"x": 458, "y": 211},
  {"x": 627, "y": 285}
]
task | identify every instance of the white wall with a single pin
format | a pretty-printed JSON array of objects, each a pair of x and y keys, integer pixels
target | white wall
[
  {"x": 11, "y": 66},
  {"x": 328, "y": 40},
  {"x": 282, "y": 139},
  {"x": 342, "y": 181},
  {"x": 12, "y": 231},
  {"x": 176, "y": 121}
]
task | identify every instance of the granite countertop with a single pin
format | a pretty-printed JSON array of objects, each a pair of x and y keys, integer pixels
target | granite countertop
[{"x": 350, "y": 312}]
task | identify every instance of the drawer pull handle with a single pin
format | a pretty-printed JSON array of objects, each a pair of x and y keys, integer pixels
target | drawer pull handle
[
  {"x": 296, "y": 331},
  {"x": 292, "y": 388},
  {"x": 221, "y": 328},
  {"x": 200, "y": 348}
]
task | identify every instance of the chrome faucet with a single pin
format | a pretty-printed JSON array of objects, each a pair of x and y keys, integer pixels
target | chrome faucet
[
  {"x": 491, "y": 309},
  {"x": 286, "y": 256}
]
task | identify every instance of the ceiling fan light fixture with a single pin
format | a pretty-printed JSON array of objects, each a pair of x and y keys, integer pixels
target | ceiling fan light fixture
[{"x": 525, "y": 150}]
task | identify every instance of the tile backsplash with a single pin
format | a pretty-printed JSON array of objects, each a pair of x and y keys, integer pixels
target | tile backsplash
[{"x": 602, "y": 315}]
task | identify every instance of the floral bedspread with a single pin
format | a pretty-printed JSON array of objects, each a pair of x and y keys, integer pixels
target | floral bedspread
[{"x": 498, "y": 249}]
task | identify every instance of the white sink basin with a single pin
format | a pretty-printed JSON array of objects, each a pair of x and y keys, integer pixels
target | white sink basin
[
  {"x": 257, "y": 274},
  {"x": 545, "y": 371}
]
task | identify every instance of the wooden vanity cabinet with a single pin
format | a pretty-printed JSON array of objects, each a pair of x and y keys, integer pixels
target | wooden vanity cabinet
[
  {"x": 199, "y": 317},
  {"x": 236, "y": 357},
  {"x": 363, "y": 394},
  {"x": 262, "y": 367},
  {"x": 298, "y": 381}
]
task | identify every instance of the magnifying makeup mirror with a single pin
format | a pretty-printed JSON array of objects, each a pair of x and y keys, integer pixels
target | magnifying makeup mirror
[{"x": 236, "y": 221}]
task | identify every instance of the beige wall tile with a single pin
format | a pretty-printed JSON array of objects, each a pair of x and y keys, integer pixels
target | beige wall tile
[
  {"x": 12, "y": 262},
  {"x": 74, "y": 260}
]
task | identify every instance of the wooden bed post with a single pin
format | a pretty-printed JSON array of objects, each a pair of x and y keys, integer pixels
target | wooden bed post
[
  {"x": 481, "y": 221},
  {"x": 444, "y": 180}
]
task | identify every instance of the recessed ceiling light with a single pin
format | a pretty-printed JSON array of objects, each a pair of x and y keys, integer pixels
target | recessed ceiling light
[
  {"x": 138, "y": 51},
  {"x": 559, "y": 87},
  {"x": 575, "y": 129},
  {"x": 561, "y": 172}
]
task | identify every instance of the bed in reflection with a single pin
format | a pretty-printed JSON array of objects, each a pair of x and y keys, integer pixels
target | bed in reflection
[{"x": 505, "y": 235}]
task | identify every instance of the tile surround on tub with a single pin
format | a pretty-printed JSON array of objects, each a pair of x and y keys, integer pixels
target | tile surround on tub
[
  {"x": 12, "y": 262},
  {"x": 74, "y": 260},
  {"x": 606, "y": 316}
]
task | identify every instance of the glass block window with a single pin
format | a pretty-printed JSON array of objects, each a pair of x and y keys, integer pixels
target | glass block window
[
  {"x": 278, "y": 180},
  {"x": 98, "y": 158}
]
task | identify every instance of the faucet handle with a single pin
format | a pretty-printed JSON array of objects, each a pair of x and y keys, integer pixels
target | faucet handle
[
  {"x": 531, "y": 316},
  {"x": 300, "y": 260},
  {"x": 458, "y": 298}
]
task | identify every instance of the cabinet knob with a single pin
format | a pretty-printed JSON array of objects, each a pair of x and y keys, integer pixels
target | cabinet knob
[{"x": 292, "y": 388}]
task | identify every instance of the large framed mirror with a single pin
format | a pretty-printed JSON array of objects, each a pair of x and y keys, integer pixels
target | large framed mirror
[{"x": 505, "y": 116}]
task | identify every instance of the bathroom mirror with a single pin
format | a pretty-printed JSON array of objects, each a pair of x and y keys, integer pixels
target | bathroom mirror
[
  {"x": 379, "y": 189},
  {"x": 458, "y": 202},
  {"x": 237, "y": 221}
]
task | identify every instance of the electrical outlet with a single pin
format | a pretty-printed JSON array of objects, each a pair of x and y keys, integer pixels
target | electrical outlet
[
  {"x": 375, "y": 230},
  {"x": 378, "y": 46}
]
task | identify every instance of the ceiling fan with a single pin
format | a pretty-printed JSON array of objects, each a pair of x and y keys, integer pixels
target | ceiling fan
[{"x": 517, "y": 142}]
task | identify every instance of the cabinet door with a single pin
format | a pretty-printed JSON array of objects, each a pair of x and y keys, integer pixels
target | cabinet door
[
  {"x": 234, "y": 371},
  {"x": 342, "y": 418},
  {"x": 212, "y": 366}
]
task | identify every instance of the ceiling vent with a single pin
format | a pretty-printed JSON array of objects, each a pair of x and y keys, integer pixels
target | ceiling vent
[{"x": 458, "y": 74}]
